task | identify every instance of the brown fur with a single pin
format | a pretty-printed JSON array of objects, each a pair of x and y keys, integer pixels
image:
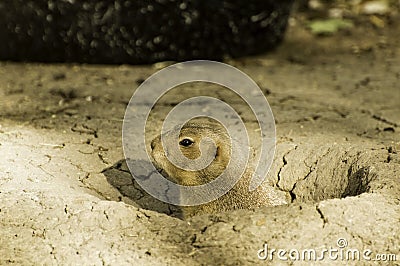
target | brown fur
[{"x": 239, "y": 197}]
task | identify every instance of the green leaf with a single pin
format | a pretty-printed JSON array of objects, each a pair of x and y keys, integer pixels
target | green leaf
[{"x": 329, "y": 26}]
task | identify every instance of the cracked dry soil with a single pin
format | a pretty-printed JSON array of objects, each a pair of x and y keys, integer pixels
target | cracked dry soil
[{"x": 66, "y": 196}]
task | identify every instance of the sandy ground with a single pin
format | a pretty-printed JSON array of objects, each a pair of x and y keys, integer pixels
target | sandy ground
[{"x": 66, "y": 196}]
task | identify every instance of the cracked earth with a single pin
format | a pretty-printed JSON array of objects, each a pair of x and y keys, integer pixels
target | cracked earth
[{"x": 67, "y": 196}]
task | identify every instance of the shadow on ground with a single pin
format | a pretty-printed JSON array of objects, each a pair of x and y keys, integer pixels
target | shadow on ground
[{"x": 119, "y": 177}]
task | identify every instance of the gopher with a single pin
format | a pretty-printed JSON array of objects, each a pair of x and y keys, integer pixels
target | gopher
[{"x": 239, "y": 197}]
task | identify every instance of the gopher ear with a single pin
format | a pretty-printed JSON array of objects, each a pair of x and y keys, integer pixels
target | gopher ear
[
  {"x": 219, "y": 156},
  {"x": 217, "y": 153}
]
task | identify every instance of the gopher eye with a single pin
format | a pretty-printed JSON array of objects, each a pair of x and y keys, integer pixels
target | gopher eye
[{"x": 186, "y": 142}]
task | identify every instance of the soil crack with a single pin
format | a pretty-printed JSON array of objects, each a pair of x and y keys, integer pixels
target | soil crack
[
  {"x": 285, "y": 162},
  {"x": 324, "y": 219},
  {"x": 312, "y": 168},
  {"x": 384, "y": 120}
]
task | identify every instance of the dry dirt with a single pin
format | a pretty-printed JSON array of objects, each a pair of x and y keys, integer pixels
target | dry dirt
[{"x": 66, "y": 196}]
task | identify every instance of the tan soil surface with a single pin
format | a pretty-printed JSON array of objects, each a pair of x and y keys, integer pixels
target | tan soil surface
[{"x": 66, "y": 196}]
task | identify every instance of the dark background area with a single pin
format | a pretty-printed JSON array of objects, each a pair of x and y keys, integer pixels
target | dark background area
[{"x": 136, "y": 32}]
